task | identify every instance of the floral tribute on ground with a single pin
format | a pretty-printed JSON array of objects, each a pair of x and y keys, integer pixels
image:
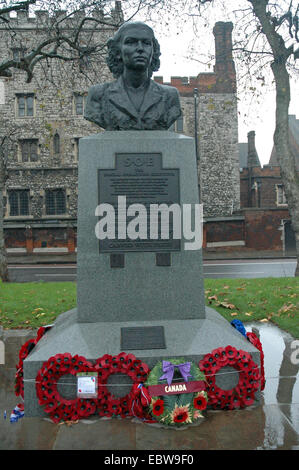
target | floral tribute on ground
[
  {"x": 23, "y": 353},
  {"x": 174, "y": 393},
  {"x": 58, "y": 407},
  {"x": 243, "y": 394},
  {"x": 127, "y": 364},
  {"x": 106, "y": 404},
  {"x": 252, "y": 337},
  {"x": 177, "y": 390}
]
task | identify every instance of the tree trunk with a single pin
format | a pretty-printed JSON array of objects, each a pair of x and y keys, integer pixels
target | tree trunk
[{"x": 286, "y": 158}]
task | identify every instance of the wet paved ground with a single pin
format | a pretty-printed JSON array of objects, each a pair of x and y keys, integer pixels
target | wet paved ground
[{"x": 272, "y": 425}]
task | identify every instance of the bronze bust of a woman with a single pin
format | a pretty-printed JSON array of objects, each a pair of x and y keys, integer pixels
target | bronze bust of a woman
[{"x": 133, "y": 101}]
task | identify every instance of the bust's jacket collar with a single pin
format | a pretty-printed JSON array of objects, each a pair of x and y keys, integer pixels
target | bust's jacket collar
[{"x": 118, "y": 96}]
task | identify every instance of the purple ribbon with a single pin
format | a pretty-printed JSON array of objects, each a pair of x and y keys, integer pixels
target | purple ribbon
[{"x": 168, "y": 369}]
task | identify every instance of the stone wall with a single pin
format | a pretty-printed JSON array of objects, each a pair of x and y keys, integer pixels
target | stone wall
[
  {"x": 218, "y": 154},
  {"x": 54, "y": 86}
]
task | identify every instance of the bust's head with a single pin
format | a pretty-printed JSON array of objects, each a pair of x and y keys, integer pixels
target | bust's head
[{"x": 119, "y": 48}]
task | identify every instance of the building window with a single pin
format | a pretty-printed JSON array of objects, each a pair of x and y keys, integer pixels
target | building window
[
  {"x": 80, "y": 100},
  {"x": 55, "y": 202},
  {"x": 18, "y": 53},
  {"x": 280, "y": 195},
  {"x": 29, "y": 150},
  {"x": 76, "y": 148},
  {"x": 178, "y": 125},
  {"x": 84, "y": 61},
  {"x": 56, "y": 143},
  {"x": 2, "y": 92},
  {"x": 18, "y": 202},
  {"x": 25, "y": 105}
]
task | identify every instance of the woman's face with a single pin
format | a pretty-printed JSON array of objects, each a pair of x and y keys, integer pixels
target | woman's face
[{"x": 136, "y": 47}]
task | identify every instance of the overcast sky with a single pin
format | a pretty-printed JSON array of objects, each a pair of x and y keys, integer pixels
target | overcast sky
[{"x": 261, "y": 117}]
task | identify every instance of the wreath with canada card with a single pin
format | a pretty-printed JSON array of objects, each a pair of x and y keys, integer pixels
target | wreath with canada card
[
  {"x": 243, "y": 394},
  {"x": 177, "y": 409}
]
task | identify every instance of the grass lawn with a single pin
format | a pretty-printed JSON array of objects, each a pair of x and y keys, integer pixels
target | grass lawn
[
  {"x": 30, "y": 305},
  {"x": 263, "y": 299}
]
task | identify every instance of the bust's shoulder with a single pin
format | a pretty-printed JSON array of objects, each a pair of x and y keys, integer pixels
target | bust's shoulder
[
  {"x": 98, "y": 90},
  {"x": 166, "y": 89}
]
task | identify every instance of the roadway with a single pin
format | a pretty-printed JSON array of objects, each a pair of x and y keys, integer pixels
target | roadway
[{"x": 212, "y": 269}]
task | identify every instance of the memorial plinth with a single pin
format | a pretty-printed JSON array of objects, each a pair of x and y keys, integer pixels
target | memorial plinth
[
  {"x": 144, "y": 297},
  {"x": 147, "y": 167}
]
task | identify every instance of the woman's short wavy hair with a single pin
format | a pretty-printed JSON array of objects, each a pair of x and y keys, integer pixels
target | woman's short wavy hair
[{"x": 114, "y": 61}]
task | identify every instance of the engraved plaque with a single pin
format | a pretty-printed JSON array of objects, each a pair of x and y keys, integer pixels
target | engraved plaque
[
  {"x": 142, "y": 180},
  {"x": 147, "y": 337}
]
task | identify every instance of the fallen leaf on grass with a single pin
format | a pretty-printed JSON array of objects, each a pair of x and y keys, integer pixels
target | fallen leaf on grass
[
  {"x": 286, "y": 308},
  {"x": 36, "y": 310},
  {"x": 227, "y": 305},
  {"x": 263, "y": 320},
  {"x": 234, "y": 314},
  {"x": 248, "y": 314}
]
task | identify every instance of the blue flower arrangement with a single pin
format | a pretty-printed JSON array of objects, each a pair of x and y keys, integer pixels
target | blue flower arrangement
[{"x": 239, "y": 326}]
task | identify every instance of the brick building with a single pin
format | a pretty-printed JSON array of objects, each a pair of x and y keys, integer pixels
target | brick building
[
  {"x": 263, "y": 201},
  {"x": 263, "y": 222}
]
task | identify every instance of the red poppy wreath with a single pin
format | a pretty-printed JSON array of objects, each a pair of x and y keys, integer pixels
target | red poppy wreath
[
  {"x": 249, "y": 378},
  {"x": 252, "y": 337},
  {"x": 62, "y": 409},
  {"x": 23, "y": 353},
  {"x": 110, "y": 405},
  {"x": 59, "y": 408}
]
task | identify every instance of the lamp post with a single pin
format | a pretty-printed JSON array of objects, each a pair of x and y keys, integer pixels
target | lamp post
[{"x": 195, "y": 91}]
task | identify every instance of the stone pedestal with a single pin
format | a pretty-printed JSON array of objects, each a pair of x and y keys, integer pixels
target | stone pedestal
[
  {"x": 141, "y": 290},
  {"x": 121, "y": 303}
]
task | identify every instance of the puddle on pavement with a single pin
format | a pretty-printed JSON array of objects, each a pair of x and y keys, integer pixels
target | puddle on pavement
[
  {"x": 273, "y": 425},
  {"x": 281, "y": 371}
]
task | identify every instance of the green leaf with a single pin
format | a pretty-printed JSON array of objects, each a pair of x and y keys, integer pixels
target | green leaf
[{"x": 170, "y": 401}]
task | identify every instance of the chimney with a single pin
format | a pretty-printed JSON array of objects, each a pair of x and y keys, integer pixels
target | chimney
[
  {"x": 224, "y": 64},
  {"x": 252, "y": 158}
]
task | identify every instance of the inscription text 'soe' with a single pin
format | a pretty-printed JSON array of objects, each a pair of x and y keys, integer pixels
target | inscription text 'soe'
[{"x": 141, "y": 178}]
